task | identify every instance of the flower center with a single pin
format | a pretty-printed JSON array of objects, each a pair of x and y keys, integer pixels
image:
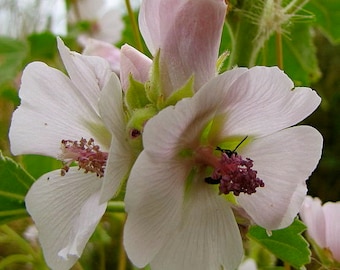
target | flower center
[
  {"x": 235, "y": 174},
  {"x": 84, "y": 152}
]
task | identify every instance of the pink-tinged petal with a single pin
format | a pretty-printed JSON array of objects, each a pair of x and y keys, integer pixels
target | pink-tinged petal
[
  {"x": 191, "y": 45},
  {"x": 66, "y": 211},
  {"x": 105, "y": 50},
  {"x": 312, "y": 215},
  {"x": 88, "y": 73},
  {"x": 155, "y": 20},
  {"x": 207, "y": 237},
  {"x": 283, "y": 160},
  {"x": 120, "y": 154},
  {"x": 133, "y": 63},
  {"x": 52, "y": 109},
  {"x": 332, "y": 216},
  {"x": 179, "y": 127},
  {"x": 154, "y": 197}
]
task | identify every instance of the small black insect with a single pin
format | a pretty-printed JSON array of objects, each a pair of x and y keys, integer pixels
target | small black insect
[{"x": 229, "y": 153}]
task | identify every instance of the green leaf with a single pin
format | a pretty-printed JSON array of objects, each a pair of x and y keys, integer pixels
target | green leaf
[
  {"x": 186, "y": 91},
  {"x": 12, "y": 55},
  {"x": 327, "y": 17},
  {"x": 135, "y": 97},
  {"x": 287, "y": 244},
  {"x": 14, "y": 184},
  {"x": 299, "y": 54},
  {"x": 37, "y": 165}
]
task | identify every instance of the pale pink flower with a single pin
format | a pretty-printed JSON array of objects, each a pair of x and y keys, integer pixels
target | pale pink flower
[
  {"x": 323, "y": 224},
  {"x": 73, "y": 118},
  {"x": 178, "y": 214},
  {"x": 105, "y": 22},
  {"x": 187, "y": 35}
]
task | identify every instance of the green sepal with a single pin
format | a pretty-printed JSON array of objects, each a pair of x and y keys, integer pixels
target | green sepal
[
  {"x": 135, "y": 96},
  {"x": 137, "y": 121},
  {"x": 14, "y": 185},
  {"x": 287, "y": 244},
  {"x": 154, "y": 86},
  {"x": 186, "y": 91}
]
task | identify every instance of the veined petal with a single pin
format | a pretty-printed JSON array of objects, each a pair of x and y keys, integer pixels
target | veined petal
[
  {"x": 120, "y": 154},
  {"x": 154, "y": 197},
  {"x": 52, "y": 109},
  {"x": 180, "y": 127},
  {"x": 66, "y": 211},
  {"x": 283, "y": 160},
  {"x": 312, "y": 215},
  {"x": 155, "y": 20},
  {"x": 89, "y": 74},
  {"x": 207, "y": 237},
  {"x": 133, "y": 63},
  {"x": 262, "y": 95},
  {"x": 191, "y": 45},
  {"x": 332, "y": 216}
]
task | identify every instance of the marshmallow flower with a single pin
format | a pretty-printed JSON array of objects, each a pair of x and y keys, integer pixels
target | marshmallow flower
[
  {"x": 323, "y": 224},
  {"x": 187, "y": 35},
  {"x": 184, "y": 184},
  {"x": 75, "y": 118}
]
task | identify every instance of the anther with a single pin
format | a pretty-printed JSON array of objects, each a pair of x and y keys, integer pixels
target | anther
[{"x": 84, "y": 152}]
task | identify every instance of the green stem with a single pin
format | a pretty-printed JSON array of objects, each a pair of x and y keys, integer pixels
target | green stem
[
  {"x": 279, "y": 53},
  {"x": 115, "y": 207},
  {"x": 134, "y": 25},
  {"x": 244, "y": 32}
]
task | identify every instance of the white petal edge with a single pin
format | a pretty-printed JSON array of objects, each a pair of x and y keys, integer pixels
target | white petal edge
[
  {"x": 153, "y": 201},
  {"x": 260, "y": 95},
  {"x": 51, "y": 109},
  {"x": 284, "y": 161},
  {"x": 120, "y": 154},
  {"x": 66, "y": 211},
  {"x": 88, "y": 73},
  {"x": 207, "y": 237}
]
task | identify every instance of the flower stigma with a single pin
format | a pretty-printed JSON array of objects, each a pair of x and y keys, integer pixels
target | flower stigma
[
  {"x": 235, "y": 174},
  {"x": 85, "y": 153},
  {"x": 230, "y": 171}
]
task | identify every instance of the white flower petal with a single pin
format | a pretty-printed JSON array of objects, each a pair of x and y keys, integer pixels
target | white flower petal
[
  {"x": 207, "y": 237},
  {"x": 261, "y": 95},
  {"x": 154, "y": 196},
  {"x": 180, "y": 127},
  {"x": 66, "y": 211},
  {"x": 283, "y": 160},
  {"x": 332, "y": 216},
  {"x": 312, "y": 215},
  {"x": 51, "y": 110},
  {"x": 120, "y": 154},
  {"x": 88, "y": 73}
]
